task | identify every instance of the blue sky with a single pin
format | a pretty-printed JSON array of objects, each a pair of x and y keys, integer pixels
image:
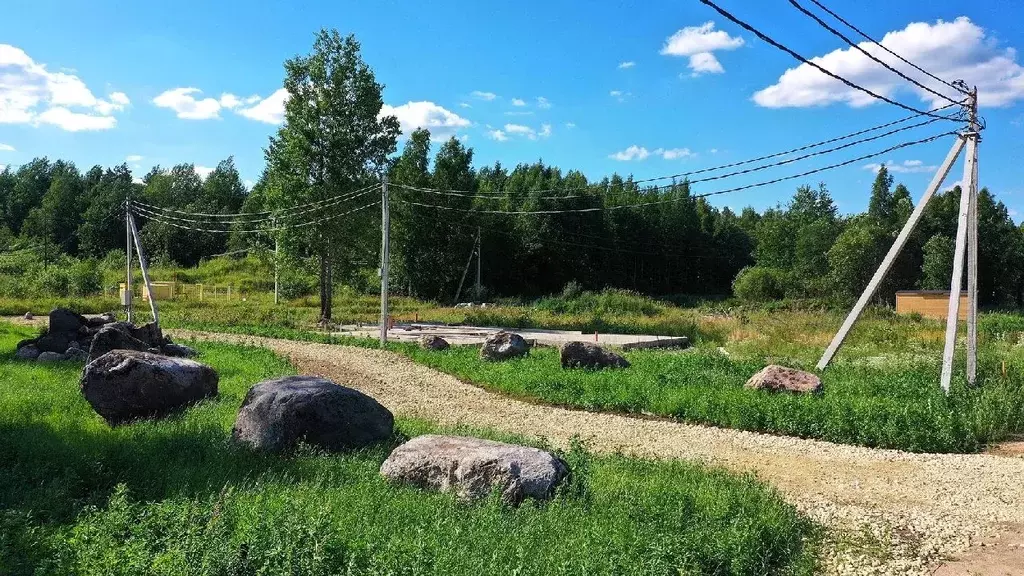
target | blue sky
[{"x": 649, "y": 88}]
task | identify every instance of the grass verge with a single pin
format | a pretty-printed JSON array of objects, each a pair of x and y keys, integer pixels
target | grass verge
[{"x": 177, "y": 497}]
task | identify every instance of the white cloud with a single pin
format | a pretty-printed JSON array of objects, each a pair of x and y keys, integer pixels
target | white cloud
[
  {"x": 952, "y": 50},
  {"x": 570, "y": 124},
  {"x": 713, "y": 150},
  {"x": 620, "y": 95},
  {"x": 31, "y": 94},
  {"x": 699, "y": 43},
  {"x": 518, "y": 102},
  {"x": 905, "y": 167},
  {"x": 674, "y": 153},
  {"x": 185, "y": 105},
  {"x": 498, "y": 135},
  {"x": 543, "y": 103},
  {"x": 523, "y": 131},
  {"x": 488, "y": 96},
  {"x": 203, "y": 171},
  {"x": 465, "y": 105},
  {"x": 634, "y": 152},
  {"x": 269, "y": 110},
  {"x": 248, "y": 184},
  {"x": 413, "y": 115},
  {"x": 519, "y": 113},
  {"x": 625, "y": 65},
  {"x": 7, "y": 148},
  {"x": 545, "y": 130},
  {"x": 133, "y": 158},
  {"x": 518, "y": 129}
]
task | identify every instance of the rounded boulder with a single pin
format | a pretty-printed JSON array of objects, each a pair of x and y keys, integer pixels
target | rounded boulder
[
  {"x": 126, "y": 385},
  {"x": 591, "y": 356},
  {"x": 504, "y": 346},
  {"x": 277, "y": 414}
]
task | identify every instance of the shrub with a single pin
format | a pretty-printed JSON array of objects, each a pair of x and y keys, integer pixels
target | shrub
[
  {"x": 85, "y": 278},
  {"x": 759, "y": 284}
]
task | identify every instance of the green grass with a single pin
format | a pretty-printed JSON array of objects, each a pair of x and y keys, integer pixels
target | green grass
[
  {"x": 177, "y": 497},
  {"x": 890, "y": 406}
]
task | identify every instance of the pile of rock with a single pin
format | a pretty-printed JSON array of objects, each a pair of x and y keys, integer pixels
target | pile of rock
[{"x": 71, "y": 336}]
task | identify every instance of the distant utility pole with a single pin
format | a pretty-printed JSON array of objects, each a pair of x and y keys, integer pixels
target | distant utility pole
[
  {"x": 385, "y": 260},
  {"x": 966, "y": 242},
  {"x": 127, "y": 299},
  {"x": 478, "y": 258},
  {"x": 134, "y": 232},
  {"x": 277, "y": 262},
  {"x": 475, "y": 251}
]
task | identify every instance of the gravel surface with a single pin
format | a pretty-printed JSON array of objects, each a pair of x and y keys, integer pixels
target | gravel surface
[{"x": 889, "y": 512}]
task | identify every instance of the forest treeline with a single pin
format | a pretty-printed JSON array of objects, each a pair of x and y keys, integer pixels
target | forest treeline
[{"x": 335, "y": 146}]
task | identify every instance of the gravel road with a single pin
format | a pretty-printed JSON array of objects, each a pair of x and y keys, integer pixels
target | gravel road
[{"x": 889, "y": 512}]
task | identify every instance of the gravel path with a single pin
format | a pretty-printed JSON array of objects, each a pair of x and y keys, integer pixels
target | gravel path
[{"x": 890, "y": 512}]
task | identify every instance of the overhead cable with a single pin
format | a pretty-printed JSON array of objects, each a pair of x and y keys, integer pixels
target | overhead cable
[
  {"x": 811, "y": 63},
  {"x": 689, "y": 197},
  {"x": 284, "y": 212},
  {"x": 142, "y": 208},
  {"x": 163, "y": 220},
  {"x": 883, "y": 47},
  {"x": 843, "y": 37}
]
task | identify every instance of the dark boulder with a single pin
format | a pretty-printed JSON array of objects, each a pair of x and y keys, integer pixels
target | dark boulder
[
  {"x": 102, "y": 320},
  {"x": 276, "y": 414},
  {"x": 592, "y": 356},
  {"x": 126, "y": 385},
  {"x": 55, "y": 342},
  {"x": 50, "y": 357},
  {"x": 64, "y": 321},
  {"x": 27, "y": 352},
  {"x": 179, "y": 350},
  {"x": 472, "y": 468},
  {"x": 432, "y": 342},
  {"x": 115, "y": 336},
  {"x": 503, "y": 346}
]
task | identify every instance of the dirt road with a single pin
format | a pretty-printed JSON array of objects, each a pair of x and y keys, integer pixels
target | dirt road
[{"x": 891, "y": 512}]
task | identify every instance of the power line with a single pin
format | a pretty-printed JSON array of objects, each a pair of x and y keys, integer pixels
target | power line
[
  {"x": 794, "y": 54},
  {"x": 284, "y": 212},
  {"x": 843, "y": 37},
  {"x": 880, "y": 45},
  {"x": 162, "y": 220},
  {"x": 143, "y": 208},
  {"x": 718, "y": 176},
  {"x": 705, "y": 195}
]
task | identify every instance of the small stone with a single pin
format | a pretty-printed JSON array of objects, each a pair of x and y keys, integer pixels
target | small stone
[
  {"x": 27, "y": 352},
  {"x": 431, "y": 342},
  {"x": 50, "y": 357},
  {"x": 28, "y": 316}
]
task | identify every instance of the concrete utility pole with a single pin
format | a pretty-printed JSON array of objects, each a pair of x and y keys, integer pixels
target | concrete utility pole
[
  {"x": 966, "y": 241},
  {"x": 385, "y": 260},
  {"x": 128, "y": 251},
  {"x": 478, "y": 258},
  {"x": 145, "y": 273},
  {"x": 277, "y": 263}
]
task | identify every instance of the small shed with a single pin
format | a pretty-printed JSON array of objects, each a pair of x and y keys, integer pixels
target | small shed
[{"x": 928, "y": 303}]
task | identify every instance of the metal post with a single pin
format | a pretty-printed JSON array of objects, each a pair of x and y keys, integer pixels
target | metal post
[
  {"x": 890, "y": 257},
  {"x": 145, "y": 273},
  {"x": 128, "y": 252},
  {"x": 955, "y": 282},
  {"x": 385, "y": 260}
]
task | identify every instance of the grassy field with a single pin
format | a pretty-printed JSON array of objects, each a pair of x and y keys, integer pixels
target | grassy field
[{"x": 177, "y": 497}]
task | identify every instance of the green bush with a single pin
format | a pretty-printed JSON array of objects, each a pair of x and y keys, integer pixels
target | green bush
[
  {"x": 760, "y": 284},
  {"x": 85, "y": 278}
]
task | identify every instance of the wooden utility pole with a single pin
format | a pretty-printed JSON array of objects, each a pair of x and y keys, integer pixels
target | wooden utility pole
[
  {"x": 385, "y": 260},
  {"x": 145, "y": 273},
  {"x": 128, "y": 251}
]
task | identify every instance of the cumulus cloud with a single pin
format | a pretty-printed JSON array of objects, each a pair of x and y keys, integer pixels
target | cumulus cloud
[
  {"x": 497, "y": 134},
  {"x": 6, "y": 148},
  {"x": 905, "y": 167},
  {"x": 527, "y": 131},
  {"x": 185, "y": 105},
  {"x": 951, "y": 50},
  {"x": 269, "y": 110},
  {"x": 518, "y": 102},
  {"x": 634, "y": 152},
  {"x": 625, "y": 65},
  {"x": 543, "y": 103},
  {"x": 480, "y": 95},
  {"x": 423, "y": 114},
  {"x": 699, "y": 43},
  {"x": 31, "y": 94}
]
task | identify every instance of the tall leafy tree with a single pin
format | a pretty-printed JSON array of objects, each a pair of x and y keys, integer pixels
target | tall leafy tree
[{"x": 333, "y": 140}]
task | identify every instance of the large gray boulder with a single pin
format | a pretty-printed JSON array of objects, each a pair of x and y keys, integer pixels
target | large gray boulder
[
  {"x": 115, "y": 336},
  {"x": 472, "y": 468},
  {"x": 503, "y": 346},
  {"x": 592, "y": 356},
  {"x": 126, "y": 385},
  {"x": 433, "y": 342},
  {"x": 775, "y": 378},
  {"x": 277, "y": 414}
]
